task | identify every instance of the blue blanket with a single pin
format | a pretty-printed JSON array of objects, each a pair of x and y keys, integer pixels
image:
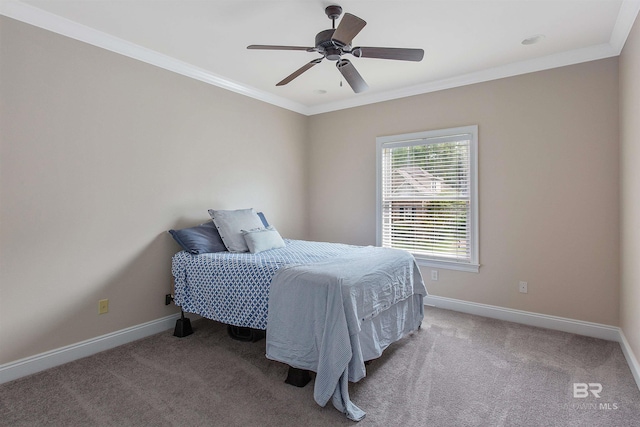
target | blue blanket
[{"x": 315, "y": 313}]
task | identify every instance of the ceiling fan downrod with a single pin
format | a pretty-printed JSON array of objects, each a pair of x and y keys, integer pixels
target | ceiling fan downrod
[{"x": 333, "y": 12}]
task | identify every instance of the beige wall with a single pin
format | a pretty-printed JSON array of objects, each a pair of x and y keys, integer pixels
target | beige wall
[
  {"x": 548, "y": 185},
  {"x": 630, "y": 188},
  {"x": 100, "y": 155}
]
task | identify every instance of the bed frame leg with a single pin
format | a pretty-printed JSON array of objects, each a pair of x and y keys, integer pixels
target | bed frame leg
[
  {"x": 183, "y": 326},
  {"x": 298, "y": 377}
]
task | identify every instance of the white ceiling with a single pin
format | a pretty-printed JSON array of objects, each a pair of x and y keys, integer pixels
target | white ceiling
[{"x": 464, "y": 41}]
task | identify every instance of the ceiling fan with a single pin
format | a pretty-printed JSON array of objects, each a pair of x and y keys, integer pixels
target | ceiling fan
[{"x": 335, "y": 42}]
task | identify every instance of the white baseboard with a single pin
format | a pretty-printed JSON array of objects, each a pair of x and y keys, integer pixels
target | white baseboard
[
  {"x": 595, "y": 330},
  {"x": 589, "y": 329},
  {"x": 631, "y": 358},
  {"x": 50, "y": 359},
  {"x": 40, "y": 362}
]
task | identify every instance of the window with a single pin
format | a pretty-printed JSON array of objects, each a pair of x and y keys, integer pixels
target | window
[{"x": 427, "y": 196}]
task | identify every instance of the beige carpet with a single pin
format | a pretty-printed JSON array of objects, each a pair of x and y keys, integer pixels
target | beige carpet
[{"x": 459, "y": 370}]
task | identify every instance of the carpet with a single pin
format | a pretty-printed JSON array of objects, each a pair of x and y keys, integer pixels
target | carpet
[{"x": 458, "y": 370}]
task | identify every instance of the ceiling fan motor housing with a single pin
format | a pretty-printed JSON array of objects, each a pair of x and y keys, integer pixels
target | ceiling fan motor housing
[{"x": 328, "y": 47}]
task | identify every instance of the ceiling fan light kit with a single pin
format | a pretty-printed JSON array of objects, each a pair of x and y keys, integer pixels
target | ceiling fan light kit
[{"x": 335, "y": 42}]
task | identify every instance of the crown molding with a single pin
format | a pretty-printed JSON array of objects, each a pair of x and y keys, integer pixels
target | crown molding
[
  {"x": 514, "y": 69},
  {"x": 629, "y": 9},
  {"x": 626, "y": 17},
  {"x": 57, "y": 24}
]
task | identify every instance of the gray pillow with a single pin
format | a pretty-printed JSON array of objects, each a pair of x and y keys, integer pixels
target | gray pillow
[
  {"x": 230, "y": 223},
  {"x": 201, "y": 239},
  {"x": 263, "y": 239}
]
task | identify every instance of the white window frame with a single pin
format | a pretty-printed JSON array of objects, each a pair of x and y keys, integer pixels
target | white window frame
[{"x": 411, "y": 139}]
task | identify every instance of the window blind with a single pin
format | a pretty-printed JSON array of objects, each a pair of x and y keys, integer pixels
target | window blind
[{"x": 426, "y": 197}]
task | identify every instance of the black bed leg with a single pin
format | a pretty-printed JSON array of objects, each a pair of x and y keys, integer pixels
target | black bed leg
[
  {"x": 183, "y": 326},
  {"x": 298, "y": 377}
]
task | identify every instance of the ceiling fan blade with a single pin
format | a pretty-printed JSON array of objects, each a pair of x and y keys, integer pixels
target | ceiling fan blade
[
  {"x": 299, "y": 71},
  {"x": 274, "y": 47},
  {"x": 401, "y": 54},
  {"x": 349, "y": 26},
  {"x": 352, "y": 76}
]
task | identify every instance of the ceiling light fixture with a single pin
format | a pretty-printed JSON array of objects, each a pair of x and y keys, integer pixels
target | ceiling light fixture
[{"x": 533, "y": 39}]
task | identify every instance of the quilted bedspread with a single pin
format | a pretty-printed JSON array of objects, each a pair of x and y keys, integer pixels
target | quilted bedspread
[{"x": 233, "y": 288}]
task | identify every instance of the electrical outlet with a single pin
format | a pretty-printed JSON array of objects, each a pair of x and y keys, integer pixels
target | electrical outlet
[
  {"x": 103, "y": 306},
  {"x": 523, "y": 287},
  {"x": 434, "y": 274}
]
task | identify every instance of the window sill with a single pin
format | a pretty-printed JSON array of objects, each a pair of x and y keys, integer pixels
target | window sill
[{"x": 447, "y": 265}]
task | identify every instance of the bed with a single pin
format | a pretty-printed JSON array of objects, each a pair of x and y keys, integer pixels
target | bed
[{"x": 330, "y": 307}]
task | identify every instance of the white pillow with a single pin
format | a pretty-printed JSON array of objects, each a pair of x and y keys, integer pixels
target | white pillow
[
  {"x": 263, "y": 239},
  {"x": 230, "y": 224}
]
